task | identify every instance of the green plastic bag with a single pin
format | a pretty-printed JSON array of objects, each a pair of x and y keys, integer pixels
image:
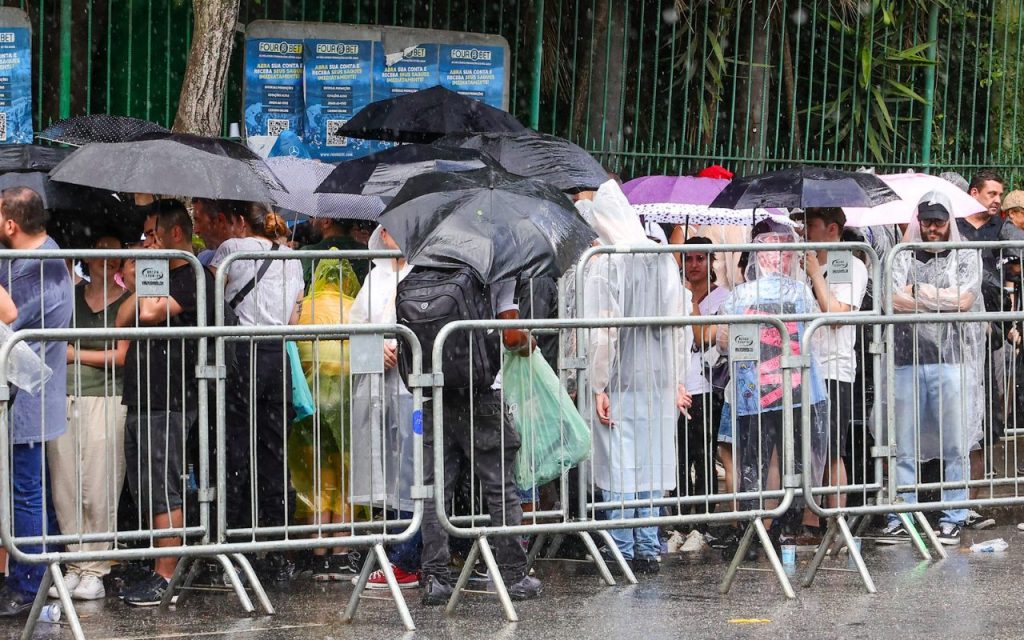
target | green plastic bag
[{"x": 554, "y": 436}]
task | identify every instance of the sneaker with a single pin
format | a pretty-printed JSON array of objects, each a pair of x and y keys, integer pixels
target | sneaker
[
  {"x": 1020, "y": 526},
  {"x": 949, "y": 533},
  {"x": 893, "y": 533},
  {"x": 71, "y": 580},
  {"x": 694, "y": 542},
  {"x": 405, "y": 579},
  {"x": 727, "y": 537},
  {"x": 646, "y": 565},
  {"x": 977, "y": 521},
  {"x": 332, "y": 568},
  {"x": 480, "y": 578},
  {"x": 89, "y": 588},
  {"x": 149, "y": 592},
  {"x": 676, "y": 542},
  {"x": 275, "y": 567},
  {"x": 355, "y": 562},
  {"x": 13, "y": 602},
  {"x": 525, "y": 588},
  {"x": 436, "y": 592}
]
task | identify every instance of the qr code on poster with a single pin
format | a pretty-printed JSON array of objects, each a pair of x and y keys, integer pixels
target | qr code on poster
[
  {"x": 276, "y": 125},
  {"x": 333, "y": 139},
  {"x": 3, "y": 127}
]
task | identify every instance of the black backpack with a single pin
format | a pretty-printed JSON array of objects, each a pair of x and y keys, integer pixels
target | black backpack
[{"x": 426, "y": 301}]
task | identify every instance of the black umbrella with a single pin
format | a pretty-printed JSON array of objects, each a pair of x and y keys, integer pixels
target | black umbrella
[
  {"x": 425, "y": 116},
  {"x": 82, "y": 130},
  {"x": 352, "y": 176},
  {"x": 498, "y": 224},
  {"x": 180, "y": 165},
  {"x": 803, "y": 187},
  {"x": 61, "y": 195},
  {"x": 30, "y": 157},
  {"x": 536, "y": 155}
]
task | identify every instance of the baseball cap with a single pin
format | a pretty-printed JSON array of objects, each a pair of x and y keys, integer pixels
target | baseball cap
[
  {"x": 933, "y": 206},
  {"x": 1013, "y": 200}
]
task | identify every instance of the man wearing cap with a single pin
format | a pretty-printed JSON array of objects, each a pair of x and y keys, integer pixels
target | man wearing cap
[{"x": 937, "y": 413}]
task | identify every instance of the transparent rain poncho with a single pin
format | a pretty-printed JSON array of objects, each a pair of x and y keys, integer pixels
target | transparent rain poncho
[
  {"x": 639, "y": 368},
  {"x": 774, "y": 286},
  {"x": 944, "y": 282},
  {"x": 382, "y": 439}
]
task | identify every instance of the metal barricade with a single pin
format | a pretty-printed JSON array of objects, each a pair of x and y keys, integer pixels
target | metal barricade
[
  {"x": 490, "y": 449},
  {"x": 348, "y": 475}
]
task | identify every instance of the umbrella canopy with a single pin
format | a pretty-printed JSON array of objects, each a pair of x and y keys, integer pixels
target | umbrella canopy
[
  {"x": 803, "y": 187},
  {"x": 178, "y": 165},
  {"x": 702, "y": 214},
  {"x": 500, "y": 226},
  {"x": 82, "y": 130},
  {"x": 30, "y": 157},
  {"x": 425, "y": 116},
  {"x": 673, "y": 189},
  {"x": 911, "y": 187},
  {"x": 536, "y": 155},
  {"x": 352, "y": 176},
  {"x": 60, "y": 195},
  {"x": 301, "y": 177}
]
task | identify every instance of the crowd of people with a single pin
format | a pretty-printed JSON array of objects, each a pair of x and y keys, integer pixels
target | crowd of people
[{"x": 668, "y": 406}]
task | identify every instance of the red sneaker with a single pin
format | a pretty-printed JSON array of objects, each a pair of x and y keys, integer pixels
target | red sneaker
[{"x": 405, "y": 579}]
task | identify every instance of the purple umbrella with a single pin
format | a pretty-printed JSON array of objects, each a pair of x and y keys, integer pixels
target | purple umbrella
[{"x": 673, "y": 189}]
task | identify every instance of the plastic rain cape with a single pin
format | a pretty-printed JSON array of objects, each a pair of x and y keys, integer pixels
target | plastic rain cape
[
  {"x": 381, "y": 404},
  {"x": 639, "y": 368},
  {"x": 774, "y": 286},
  {"x": 322, "y": 441},
  {"x": 945, "y": 281}
]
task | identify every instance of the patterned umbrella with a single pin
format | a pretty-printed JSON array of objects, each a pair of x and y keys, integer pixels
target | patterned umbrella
[
  {"x": 82, "y": 130},
  {"x": 671, "y": 213}
]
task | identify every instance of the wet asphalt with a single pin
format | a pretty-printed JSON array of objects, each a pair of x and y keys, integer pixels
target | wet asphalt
[{"x": 969, "y": 595}]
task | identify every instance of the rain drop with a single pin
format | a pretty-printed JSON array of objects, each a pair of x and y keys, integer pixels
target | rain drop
[
  {"x": 799, "y": 17},
  {"x": 670, "y": 16}
]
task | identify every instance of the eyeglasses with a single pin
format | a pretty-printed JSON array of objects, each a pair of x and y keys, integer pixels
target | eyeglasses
[{"x": 934, "y": 223}]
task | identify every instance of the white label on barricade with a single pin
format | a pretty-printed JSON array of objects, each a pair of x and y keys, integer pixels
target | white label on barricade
[
  {"x": 838, "y": 268},
  {"x": 152, "y": 278},
  {"x": 366, "y": 353},
  {"x": 744, "y": 342}
]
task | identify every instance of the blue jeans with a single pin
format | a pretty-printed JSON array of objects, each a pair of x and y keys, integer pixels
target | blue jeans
[
  {"x": 641, "y": 542},
  {"x": 938, "y": 406},
  {"x": 30, "y": 507},
  {"x": 406, "y": 555}
]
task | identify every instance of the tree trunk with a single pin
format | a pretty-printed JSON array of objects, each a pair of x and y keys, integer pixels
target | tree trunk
[
  {"x": 202, "y": 91},
  {"x": 751, "y": 104}
]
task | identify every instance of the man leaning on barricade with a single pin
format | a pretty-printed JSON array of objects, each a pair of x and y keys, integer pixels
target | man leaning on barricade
[
  {"x": 938, "y": 415},
  {"x": 43, "y": 296}
]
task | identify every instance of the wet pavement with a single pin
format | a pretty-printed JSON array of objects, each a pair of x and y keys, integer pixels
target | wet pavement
[{"x": 969, "y": 595}]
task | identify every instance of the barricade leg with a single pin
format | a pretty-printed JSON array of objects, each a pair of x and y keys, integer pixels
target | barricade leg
[
  {"x": 928, "y": 531},
  {"x": 820, "y": 553},
  {"x": 254, "y": 582},
  {"x": 855, "y": 553},
  {"x": 378, "y": 557},
  {"x": 236, "y": 583},
  {"x": 182, "y": 577},
  {"x": 483, "y": 548},
  {"x": 538, "y": 544},
  {"x": 915, "y": 535},
  {"x": 627, "y": 571},
  {"x": 556, "y": 545},
  {"x": 734, "y": 566},
  {"x": 53, "y": 577},
  {"x": 460, "y": 584},
  {"x": 773, "y": 558},
  {"x": 606, "y": 575}
]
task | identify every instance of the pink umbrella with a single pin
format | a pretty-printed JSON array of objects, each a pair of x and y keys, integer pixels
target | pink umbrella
[
  {"x": 911, "y": 187},
  {"x": 673, "y": 189}
]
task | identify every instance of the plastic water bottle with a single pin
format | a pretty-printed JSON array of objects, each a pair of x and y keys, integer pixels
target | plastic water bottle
[
  {"x": 193, "y": 486},
  {"x": 990, "y": 546},
  {"x": 850, "y": 564},
  {"x": 50, "y": 613},
  {"x": 789, "y": 558}
]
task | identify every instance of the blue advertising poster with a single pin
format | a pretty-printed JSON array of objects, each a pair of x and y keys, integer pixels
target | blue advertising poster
[
  {"x": 273, "y": 86},
  {"x": 473, "y": 71},
  {"x": 15, "y": 85},
  {"x": 408, "y": 71},
  {"x": 339, "y": 82}
]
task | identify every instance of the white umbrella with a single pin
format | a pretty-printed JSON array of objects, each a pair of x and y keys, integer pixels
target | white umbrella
[
  {"x": 674, "y": 213},
  {"x": 301, "y": 177},
  {"x": 911, "y": 187}
]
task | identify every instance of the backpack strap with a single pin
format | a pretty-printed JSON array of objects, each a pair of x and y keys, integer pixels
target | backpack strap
[{"x": 249, "y": 286}]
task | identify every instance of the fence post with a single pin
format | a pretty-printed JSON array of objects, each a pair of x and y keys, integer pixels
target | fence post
[
  {"x": 65, "y": 59},
  {"x": 538, "y": 63},
  {"x": 929, "y": 86}
]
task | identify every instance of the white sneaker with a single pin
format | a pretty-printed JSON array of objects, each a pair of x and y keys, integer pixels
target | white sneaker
[
  {"x": 71, "y": 580},
  {"x": 89, "y": 588},
  {"x": 675, "y": 542},
  {"x": 977, "y": 521},
  {"x": 694, "y": 542}
]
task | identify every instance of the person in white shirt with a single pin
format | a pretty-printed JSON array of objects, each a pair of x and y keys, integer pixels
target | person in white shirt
[{"x": 839, "y": 282}]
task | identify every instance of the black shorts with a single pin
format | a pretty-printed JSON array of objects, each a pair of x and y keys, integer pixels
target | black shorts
[
  {"x": 840, "y": 407},
  {"x": 153, "y": 458}
]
